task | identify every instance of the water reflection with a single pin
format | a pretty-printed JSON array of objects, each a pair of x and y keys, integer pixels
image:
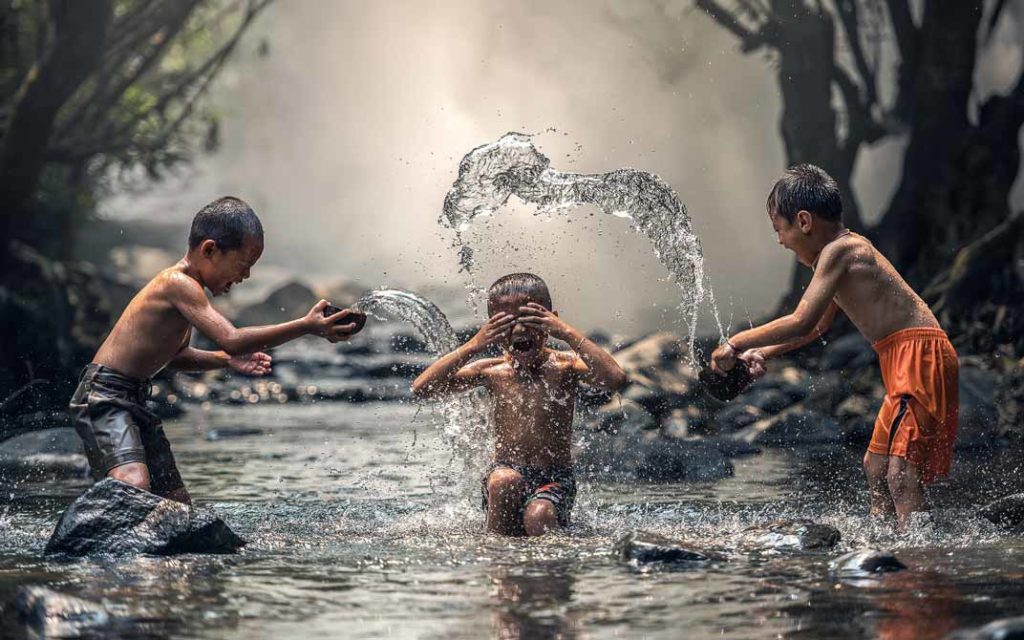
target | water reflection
[{"x": 533, "y": 601}]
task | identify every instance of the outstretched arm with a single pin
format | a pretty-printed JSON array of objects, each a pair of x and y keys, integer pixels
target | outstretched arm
[
  {"x": 187, "y": 296},
  {"x": 819, "y": 330},
  {"x": 594, "y": 365},
  {"x": 191, "y": 359},
  {"x": 796, "y": 326},
  {"x": 451, "y": 373}
]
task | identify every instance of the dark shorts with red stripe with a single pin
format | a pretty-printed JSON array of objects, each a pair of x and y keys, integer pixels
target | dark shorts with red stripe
[{"x": 557, "y": 485}]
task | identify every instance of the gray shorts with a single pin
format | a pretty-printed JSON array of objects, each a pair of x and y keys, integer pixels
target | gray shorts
[{"x": 110, "y": 415}]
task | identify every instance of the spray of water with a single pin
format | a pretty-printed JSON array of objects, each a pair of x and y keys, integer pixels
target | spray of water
[
  {"x": 491, "y": 173},
  {"x": 465, "y": 426}
]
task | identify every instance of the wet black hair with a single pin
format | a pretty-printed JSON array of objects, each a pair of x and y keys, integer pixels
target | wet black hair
[
  {"x": 808, "y": 188},
  {"x": 228, "y": 221},
  {"x": 525, "y": 284}
]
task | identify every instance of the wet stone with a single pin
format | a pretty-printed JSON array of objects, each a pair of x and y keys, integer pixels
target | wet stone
[
  {"x": 866, "y": 563},
  {"x": 794, "y": 534},
  {"x": 1006, "y": 629},
  {"x": 117, "y": 519},
  {"x": 640, "y": 548},
  {"x": 1006, "y": 512},
  {"x": 50, "y": 613}
]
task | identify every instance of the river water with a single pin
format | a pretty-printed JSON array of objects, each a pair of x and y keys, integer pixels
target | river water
[{"x": 361, "y": 525}]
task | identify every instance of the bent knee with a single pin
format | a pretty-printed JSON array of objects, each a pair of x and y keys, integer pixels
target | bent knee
[
  {"x": 503, "y": 481},
  {"x": 135, "y": 474},
  {"x": 540, "y": 517}
]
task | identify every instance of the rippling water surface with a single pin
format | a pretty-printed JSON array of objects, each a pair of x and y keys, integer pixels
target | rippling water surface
[{"x": 359, "y": 527}]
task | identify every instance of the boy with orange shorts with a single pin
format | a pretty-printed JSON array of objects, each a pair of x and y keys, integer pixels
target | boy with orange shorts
[{"x": 912, "y": 442}]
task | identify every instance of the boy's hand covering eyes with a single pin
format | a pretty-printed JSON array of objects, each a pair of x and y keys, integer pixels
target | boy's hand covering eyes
[
  {"x": 325, "y": 326},
  {"x": 251, "y": 364},
  {"x": 497, "y": 328},
  {"x": 535, "y": 315}
]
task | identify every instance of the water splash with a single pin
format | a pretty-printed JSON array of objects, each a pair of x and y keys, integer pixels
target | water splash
[
  {"x": 491, "y": 173},
  {"x": 428, "y": 320},
  {"x": 465, "y": 425}
]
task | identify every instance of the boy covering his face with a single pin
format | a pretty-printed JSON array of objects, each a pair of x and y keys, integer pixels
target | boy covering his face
[{"x": 530, "y": 487}]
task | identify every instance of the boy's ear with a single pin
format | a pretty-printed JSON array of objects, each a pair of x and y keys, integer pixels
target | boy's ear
[
  {"x": 206, "y": 247},
  {"x": 804, "y": 220}
]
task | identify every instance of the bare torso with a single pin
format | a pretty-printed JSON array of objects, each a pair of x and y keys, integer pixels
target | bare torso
[
  {"x": 873, "y": 294},
  {"x": 149, "y": 333},
  {"x": 533, "y": 410}
]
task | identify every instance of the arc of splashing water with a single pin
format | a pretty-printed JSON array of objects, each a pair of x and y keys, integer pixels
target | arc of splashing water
[
  {"x": 466, "y": 427},
  {"x": 512, "y": 165}
]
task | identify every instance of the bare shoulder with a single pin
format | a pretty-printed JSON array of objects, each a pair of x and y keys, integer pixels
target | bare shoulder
[
  {"x": 175, "y": 285},
  {"x": 843, "y": 252}
]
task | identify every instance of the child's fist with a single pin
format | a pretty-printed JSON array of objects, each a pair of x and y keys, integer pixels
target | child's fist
[{"x": 723, "y": 359}]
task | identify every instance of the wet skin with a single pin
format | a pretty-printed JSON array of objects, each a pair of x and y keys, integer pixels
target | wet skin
[
  {"x": 155, "y": 329},
  {"x": 849, "y": 274},
  {"x": 534, "y": 391}
]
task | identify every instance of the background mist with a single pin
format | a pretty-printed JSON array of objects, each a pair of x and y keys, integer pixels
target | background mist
[{"x": 346, "y": 137}]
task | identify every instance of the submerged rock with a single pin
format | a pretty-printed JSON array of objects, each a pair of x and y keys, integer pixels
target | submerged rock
[
  {"x": 53, "y": 614},
  {"x": 1006, "y": 629},
  {"x": 49, "y": 455},
  {"x": 118, "y": 519},
  {"x": 866, "y": 563},
  {"x": 794, "y": 534},
  {"x": 1006, "y": 512},
  {"x": 641, "y": 548}
]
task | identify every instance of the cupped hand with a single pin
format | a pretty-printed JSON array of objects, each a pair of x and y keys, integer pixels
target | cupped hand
[{"x": 251, "y": 364}]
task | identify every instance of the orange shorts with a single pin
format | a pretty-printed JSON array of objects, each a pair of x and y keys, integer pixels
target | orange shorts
[{"x": 920, "y": 412}]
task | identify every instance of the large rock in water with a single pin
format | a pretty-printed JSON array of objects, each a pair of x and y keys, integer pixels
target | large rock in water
[
  {"x": 641, "y": 548},
  {"x": 866, "y": 563},
  {"x": 51, "y": 614},
  {"x": 1006, "y": 512},
  {"x": 117, "y": 519}
]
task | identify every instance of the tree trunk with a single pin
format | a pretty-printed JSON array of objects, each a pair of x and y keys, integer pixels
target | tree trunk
[
  {"x": 923, "y": 226},
  {"x": 77, "y": 49}
]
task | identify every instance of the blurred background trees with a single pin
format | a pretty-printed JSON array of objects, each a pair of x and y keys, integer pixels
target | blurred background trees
[
  {"x": 854, "y": 72},
  {"x": 91, "y": 90}
]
